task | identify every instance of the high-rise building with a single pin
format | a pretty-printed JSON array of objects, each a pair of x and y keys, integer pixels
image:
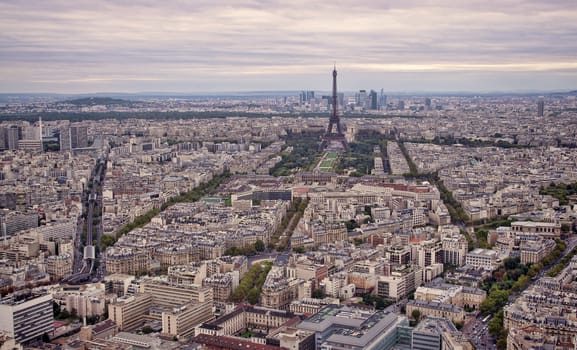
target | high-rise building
[
  {"x": 65, "y": 139},
  {"x": 78, "y": 136},
  {"x": 31, "y": 138},
  {"x": 383, "y": 100},
  {"x": 428, "y": 104},
  {"x": 373, "y": 102},
  {"x": 540, "y": 108},
  {"x": 72, "y": 137},
  {"x": 306, "y": 96},
  {"x": 3, "y": 136},
  {"x": 361, "y": 98},
  {"x": 26, "y": 316},
  {"x": 12, "y": 135}
]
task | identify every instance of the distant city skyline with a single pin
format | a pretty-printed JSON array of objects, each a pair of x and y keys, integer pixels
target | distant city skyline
[{"x": 58, "y": 46}]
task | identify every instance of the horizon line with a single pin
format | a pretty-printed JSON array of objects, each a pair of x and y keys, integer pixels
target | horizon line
[{"x": 228, "y": 93}]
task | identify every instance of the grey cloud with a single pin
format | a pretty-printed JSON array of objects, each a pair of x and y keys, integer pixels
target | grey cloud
[{"x": 189, "y": 39}]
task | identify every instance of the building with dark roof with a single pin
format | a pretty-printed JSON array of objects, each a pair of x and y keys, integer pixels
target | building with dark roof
[
  {"x": 218, "y": 342},
  {"x": 354, "y": 328}
]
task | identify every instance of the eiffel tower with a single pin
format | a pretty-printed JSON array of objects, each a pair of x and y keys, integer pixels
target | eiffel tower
[{"x": 330, "y": 136}]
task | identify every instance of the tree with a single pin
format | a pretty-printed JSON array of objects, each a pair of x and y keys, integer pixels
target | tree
[
  {"x": 318, "y": 294},
  {"x": 512, "y": 263},
  {"x": 55, "y": 309},
  {"x": 380, "y": 303},
  {"x": 92, "y": 319},
  {"x": 259, "y": 245},
  {"x": 521, "y": 283},
  {"x": 416, "y": 314},
  {"x": 299, "y": 250},
  {"x": 147, "y": 329},
  {"x": 64, "y": 314},
  {"x": 106, "y": 241},
  {"x": 351, "y": 225},
  {"x": 495, "y": 301},
  {"x": 253, "y": 296},
  {"x": 502, "y": 341}
]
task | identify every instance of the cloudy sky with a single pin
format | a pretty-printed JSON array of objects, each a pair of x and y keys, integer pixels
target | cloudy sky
[{"x": 81, "y": 46}]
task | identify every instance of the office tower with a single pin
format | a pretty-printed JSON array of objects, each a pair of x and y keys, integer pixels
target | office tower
[
  {"x": 361, "y": 98},
  {"x": 306, "y": 96},
  {"x": 428, "y": 104},
  {"x": 383, "y": 100},
  {"x": 401, "y": 105},
  {"x": 26, "y": 316},
  {"x": 373, "y": 103},
  {"x": 341, "y": 99},
  {"x": 540, "y": 108}
]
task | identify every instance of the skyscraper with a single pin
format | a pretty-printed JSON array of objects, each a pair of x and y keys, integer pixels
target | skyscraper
[
  {"x": 373, "y": 103},
  {"x": 540, "y": 108},
  {"x": 361, "y": 98},
  {"x": 383, "y": 101}
]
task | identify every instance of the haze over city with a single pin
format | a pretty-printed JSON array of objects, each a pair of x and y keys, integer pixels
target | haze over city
[{"x": 210, "y": 46}]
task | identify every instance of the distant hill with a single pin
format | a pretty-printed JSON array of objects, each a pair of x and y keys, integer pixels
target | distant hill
[{"x": 98, "y": 101}]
